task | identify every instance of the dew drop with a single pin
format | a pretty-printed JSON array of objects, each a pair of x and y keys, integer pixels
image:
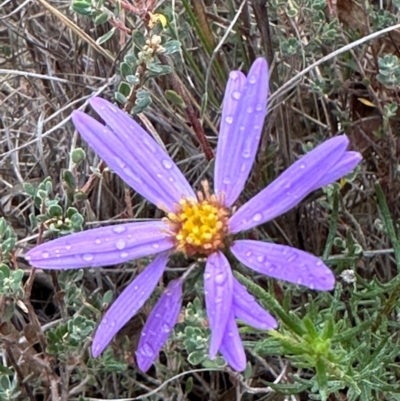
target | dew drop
[
  {"x": 45, "y": 255},
  {"x": 207, "y": 276},
  {"x": 119, "y": 229},
  {"x": 226, "y": 180},
  {"x": 236, "y": 95},
  {"x": 243, "y": 168},
  {"x": 233, "y": 75},
  {"x": 87, "y": 257},
  {"x": 249, "y": 110},
  {"x": 249, "y": 253},
  {"x": 319, "y": 263},
  {"x": 112, "y": 324},
  {"x": 167, "y": 164},
  {"x": 147, "y": 350},
  {"x": 259, "y": 107},
  {"x": 156, "y": 246},
  {"x": 96, "y": 349},
  {"x": 165, "y": 328},
  {"x": 246, "y": 153},
  {"x": 67, "y": 247},
  {"x": 220, "y": 278},
  {"x": 242, "y": 128},
  {"x": 120, "y": 162},
  {"x": 302, "y": 165},
  {"x": 257, "y": 217},
  {"x": 230, "y": 334},
  {"x": 299, "y": 281},
  {"x": 120, "y": 244},
  {"x": 292, "y": 257},
  {"x": 229, "y": 119},
  {"x": 260, "y": 258},
  {"x": 135, "y": 288},
  {"x": 124, "y": 254},
  {"x": 218, "y": 300},
  {"x": 98, "y": 241},
  {"x": 57, "y": 251},
  {"x": 252, "y": 79}
]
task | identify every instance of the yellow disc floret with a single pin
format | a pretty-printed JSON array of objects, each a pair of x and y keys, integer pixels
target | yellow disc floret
[{"x": 199, "y": 226}]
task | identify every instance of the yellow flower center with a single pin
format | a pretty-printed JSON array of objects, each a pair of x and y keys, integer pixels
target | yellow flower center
[{"x": 199, "y": 226}]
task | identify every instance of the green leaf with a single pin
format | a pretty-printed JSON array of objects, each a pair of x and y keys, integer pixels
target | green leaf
[
  {"x": 132, "y": 79},
  {"x": 124, "y": 89},
  {"x": 172, "y": 46},
  {"x": 125, "y": 69},
  {"x": 174, "y": 98},
  {"x": 78, "y": 154},
  {"x": 106, "y": 36},
  {"x": 101, "y": 19}
]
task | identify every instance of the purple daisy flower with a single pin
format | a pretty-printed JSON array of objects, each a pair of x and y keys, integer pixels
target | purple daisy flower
[{"x": 199, "y": 225}]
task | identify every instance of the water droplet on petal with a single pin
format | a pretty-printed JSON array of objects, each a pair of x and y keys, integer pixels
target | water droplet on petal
[
  {"x": 259, "y": 107},
  {"x": 246, "y": 153},
  {"x": 165, "y": 328},
  {"x": 98, "y": 241},
  {"x": 230, "y": 334},
  {"x": 156, "y": 246},
  {"x": 124, "y": 254},
  {"x": 302, "y": 165},
  {"x": 120, "y": 244},
  {"x": 234, "y": 75},
  {"x": 249, "y": 253},
  {"x": 252, "y": 79},
  {"x": 226, "y": 180},
  {"x": 257, "y": 217},
  {"x": 299, "y": 281},
  {"x": 229, "y": 119},
  {"x": 167, "y": 164},
  {"x": 207, "y": 276},
  {"x": 120, "y": 162},
  {"x": 87, "y": 257},
  {"x": 249, "y": 109},
  {"x": 242, "y": 128},
  {"x": 119, "y": 229},
  {"x": 260, "y": 258},
  {"x": 292, "y": 257},
  {"x": 243, "y": 167},
  {"x": 236, "y": 95},
  {"x": 67, "y": 247},
  {"x": 45, "y": 255},
  {"x": 220, "y": 278},
  {"x": 135, "y": 288},
  {"x": 147, "y": 350}
]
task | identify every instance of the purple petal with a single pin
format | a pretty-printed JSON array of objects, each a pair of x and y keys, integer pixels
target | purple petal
[
  {"x": 102, "y": 246},
  {"x": 218, "y": 282},
  {"x": 231, "y": 346},
  {"x": 128, "y": 303},
  {"x": 240, "y": 130},
  {"x": 233, "y": 93},
  {"x": 248, "y": 310},
  {"x": 284, "y": 263},
  {"x": 291, "y": 186},
  {"x": 348, "y": 162},
  {"x": 159, "y": 325},
  {"x": 133, "y": 154}
]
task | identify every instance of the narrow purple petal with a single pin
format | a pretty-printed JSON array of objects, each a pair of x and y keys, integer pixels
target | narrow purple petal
[
  {"x": 284, "y": 263},
  {"x": 233, "y": 93},
  {"x": 231, "y": 346},
  {"x": 102, "y": 246},
  {"x": 159, "y": 325},
  {"x": 348, "y": 162},
  {"x": 133, "y": 154},
  {"x": 128, "y": 303},
  {"x": 218, "y": 282},
  {"x": 241, "y": 130},
  {"x": 246, "y": 308},
  {"x": 293, "y": 185}
]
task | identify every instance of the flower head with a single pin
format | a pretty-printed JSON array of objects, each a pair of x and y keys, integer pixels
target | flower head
[{"x": 202, "y": 225}]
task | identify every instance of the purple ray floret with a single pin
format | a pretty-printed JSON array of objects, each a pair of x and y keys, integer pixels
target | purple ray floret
[
  {"x": 137, "y": 158},
  {"x": 159, "y": 325}
]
